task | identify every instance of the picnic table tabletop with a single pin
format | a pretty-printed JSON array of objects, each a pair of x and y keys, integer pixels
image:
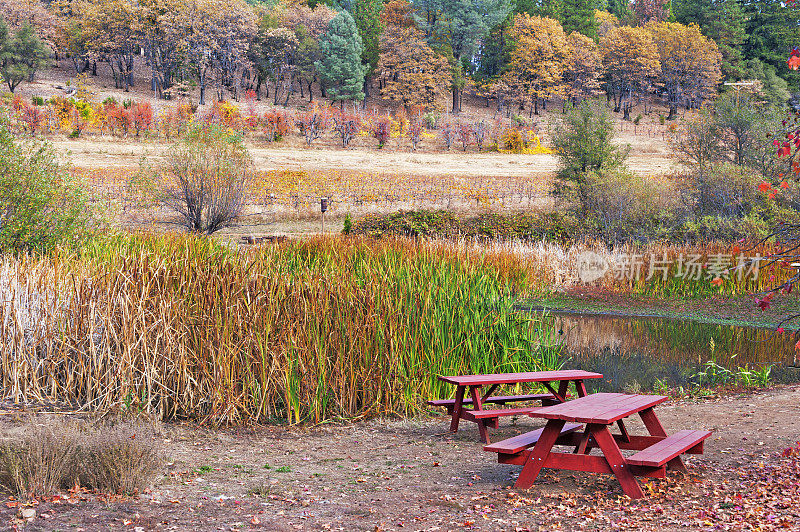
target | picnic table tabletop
[
  {"x": 489, "y": 418},
  {"x": 514, "y": 378},
  {"x": 600, "y": 408}
]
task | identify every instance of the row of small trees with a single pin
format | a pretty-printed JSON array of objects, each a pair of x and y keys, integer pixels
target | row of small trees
[{"x": 130, "y": 118}]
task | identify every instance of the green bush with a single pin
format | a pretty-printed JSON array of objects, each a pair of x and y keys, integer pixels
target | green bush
[
  {"x": 623, "y": 206},
  {"x": 583, "y": 142},
  {"x": 347, "y": 227},
  {"x": 41, "y": 206},
  {"x": 204, "y": 179},
  {"x": 445, "y": 224},
  {"x": 638, "y": 217}
]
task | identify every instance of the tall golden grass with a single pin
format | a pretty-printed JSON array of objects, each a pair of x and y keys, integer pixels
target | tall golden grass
[{"x": 183, "y": 327}]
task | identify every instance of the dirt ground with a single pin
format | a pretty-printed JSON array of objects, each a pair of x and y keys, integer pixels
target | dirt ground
[{"x": 415, "y": 475}]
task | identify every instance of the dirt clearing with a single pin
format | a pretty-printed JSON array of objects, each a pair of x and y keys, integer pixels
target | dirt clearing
[{"x": 414, "y": 475}]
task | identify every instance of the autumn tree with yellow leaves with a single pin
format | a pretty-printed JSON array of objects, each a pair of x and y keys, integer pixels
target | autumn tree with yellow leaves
[
  {"x": 632, "y": 64},
  {"x": 540, "y": 58},
  {"x": 112, "y": 30},
  {"x": 690, "y": 64},
  {"x": 584, "y": 67},
  {"x": 412, "y": 74}
]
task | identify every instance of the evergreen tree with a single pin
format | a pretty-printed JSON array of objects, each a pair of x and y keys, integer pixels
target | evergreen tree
[
  {"x": 772, "y": 28},
  {"x": 367, "y": 14},
  {"x": 496, "y": 50},
  {"x": 340, "y": 67},
  {"x": 454, "y": 29},
  {"x": 578, "y": 15},
  {"x": 726, "y": 28},
  {"x": 693, "y": 12},
  {"x": 773, "y": 88},
  {"x": 21, "y": 54},
  {"x": 539, "y": 8},
  {"x": 622, "y": 10}
]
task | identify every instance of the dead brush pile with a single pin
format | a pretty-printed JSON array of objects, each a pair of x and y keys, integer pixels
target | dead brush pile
[{"x": 47, "y": 455}]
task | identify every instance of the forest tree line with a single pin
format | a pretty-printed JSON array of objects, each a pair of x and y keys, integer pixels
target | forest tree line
[{"x": 520, "y": 54}]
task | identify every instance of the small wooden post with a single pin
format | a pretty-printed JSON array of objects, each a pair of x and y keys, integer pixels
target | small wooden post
[{"x": 323, "y": 206}]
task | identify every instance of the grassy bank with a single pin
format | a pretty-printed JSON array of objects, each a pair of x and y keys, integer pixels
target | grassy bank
[{"x": 182, "y": 327}]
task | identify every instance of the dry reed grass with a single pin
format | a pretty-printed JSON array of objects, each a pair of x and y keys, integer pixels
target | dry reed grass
[{"x": 181, "y": 327}]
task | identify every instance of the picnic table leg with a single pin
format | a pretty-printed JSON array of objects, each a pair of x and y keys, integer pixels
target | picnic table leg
[
  {"x": 563, "y": 389},
  {"x": 580, "y": 388},
  {"x": 489, "y": 392},
  {"x": 583, "y": 442},
  {"x": 623, "y": 431},
  {"x": 535, "y": 462},
  {"x": 560, "y": 395},
  {"x": 457, "y": 407},
  {"x": 655, "y": 428},
  {"x": 616, "y": 461},
  {"x": 477, "y": 404}
]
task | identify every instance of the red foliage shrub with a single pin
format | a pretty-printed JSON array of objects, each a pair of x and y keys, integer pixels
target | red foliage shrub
[
  {"x": 276, "y": 125},
  {"x": 32, "y": 117},
  {"x": 382, "y": 130},
  {"x": 141, "y": 116},
  {"x": 346, "y": 126}
]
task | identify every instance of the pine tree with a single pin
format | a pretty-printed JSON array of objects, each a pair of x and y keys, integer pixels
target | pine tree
[
  {"x": 21, "y": 54},
  {"x": 771, "y": 28},
  {"x": 726, "y": 28},
  {"x": 539, "y": 8},
  {"x": 340, "y": 67},
  {"x": 578, "y": 15},
  {"x": 622, "y": 10},
  {"x": 367, "y": 14},
  {"x": 693, "y": 12},
  {"x": 496, "y": 51}
]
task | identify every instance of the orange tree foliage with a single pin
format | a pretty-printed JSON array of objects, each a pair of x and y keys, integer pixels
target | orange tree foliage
[
  {"x": 690, "y": 63},
  {"x": 397, "y": 13},
  {"x": 632, "y": 63},
  {"x": 413, "y": 74},
  {"x": 539, "y": 60},
  {"x": 19, "y": 12},
  {"x": 584, "y": 66},
  {"x": 111, "y": 30}
]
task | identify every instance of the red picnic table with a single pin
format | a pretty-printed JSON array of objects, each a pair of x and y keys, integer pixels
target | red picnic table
[
  {"x": 599, "y": 412},
  {"x": 489, "y": 418}
]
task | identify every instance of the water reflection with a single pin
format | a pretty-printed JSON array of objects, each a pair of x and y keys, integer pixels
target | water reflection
[{"x": 634, "y": 352}]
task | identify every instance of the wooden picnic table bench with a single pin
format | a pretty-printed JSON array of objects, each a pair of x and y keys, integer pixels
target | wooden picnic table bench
[
  {"x": 476, "y": 398},
  {"x": 598, "y": 412}
]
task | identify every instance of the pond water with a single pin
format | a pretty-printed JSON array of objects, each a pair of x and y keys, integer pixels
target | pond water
[{"x": 634, "y": 353}]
